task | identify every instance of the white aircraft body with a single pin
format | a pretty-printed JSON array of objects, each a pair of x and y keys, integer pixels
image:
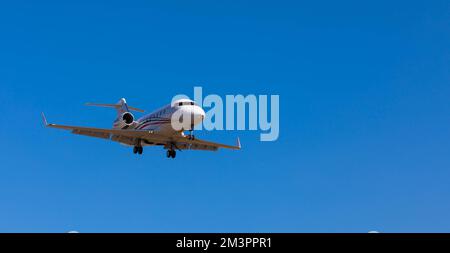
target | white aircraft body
[{"x": 154, "y": 129}]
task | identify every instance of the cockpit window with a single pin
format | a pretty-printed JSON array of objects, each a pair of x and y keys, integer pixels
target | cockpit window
[{"x": 185, "y": 103}]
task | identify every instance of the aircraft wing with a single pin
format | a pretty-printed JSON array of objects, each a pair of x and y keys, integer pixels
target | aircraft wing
[
  {"x": 130, "y": 137},
  {"x": 197, "y": 144}
]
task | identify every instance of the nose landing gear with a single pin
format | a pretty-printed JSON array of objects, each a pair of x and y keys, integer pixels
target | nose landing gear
[{"x": 191, "y": 133}]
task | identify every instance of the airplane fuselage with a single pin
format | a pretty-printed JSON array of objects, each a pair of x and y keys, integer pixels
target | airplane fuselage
[{"x": 161, "y": 119}]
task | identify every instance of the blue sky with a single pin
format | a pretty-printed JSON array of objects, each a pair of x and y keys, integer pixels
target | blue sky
[{"x": 364, "y": 115}]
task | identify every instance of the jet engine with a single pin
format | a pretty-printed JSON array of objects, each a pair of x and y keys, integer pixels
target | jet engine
[{"x": 124, "y": 121}]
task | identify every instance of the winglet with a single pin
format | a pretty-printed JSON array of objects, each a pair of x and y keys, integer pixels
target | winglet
[
  {"x": 44, "y": 119},
  {"x": 238, "y": 144}
]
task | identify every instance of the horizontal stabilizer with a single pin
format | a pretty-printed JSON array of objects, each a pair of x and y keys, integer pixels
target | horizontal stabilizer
[{"x": 117, "y": 106}]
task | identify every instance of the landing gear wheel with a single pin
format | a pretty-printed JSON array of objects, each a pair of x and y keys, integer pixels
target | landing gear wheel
[
  {"x": 191, "y": 133},
  {"x": 138, "y": 150},
  {"x": 171, "y": 153}
]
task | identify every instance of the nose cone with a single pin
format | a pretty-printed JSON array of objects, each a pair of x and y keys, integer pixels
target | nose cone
[
  {"x": 194, "y": 113},
  {"x": 198, "y": 113}
]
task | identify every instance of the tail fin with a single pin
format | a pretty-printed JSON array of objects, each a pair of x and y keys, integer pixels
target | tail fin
[{"x": 120, "y": 106}]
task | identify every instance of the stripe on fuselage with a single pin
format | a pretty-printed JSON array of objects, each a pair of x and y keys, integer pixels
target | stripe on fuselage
[{"x": 153, "y": 122}]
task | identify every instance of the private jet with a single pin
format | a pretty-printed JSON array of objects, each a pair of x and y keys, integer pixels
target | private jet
[{"x": 154, "y": 129}]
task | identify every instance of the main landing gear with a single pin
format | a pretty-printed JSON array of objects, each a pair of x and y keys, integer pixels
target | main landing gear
[
  {"x": 138, "y": 150},
  {"x": 171, "y": 153}
]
